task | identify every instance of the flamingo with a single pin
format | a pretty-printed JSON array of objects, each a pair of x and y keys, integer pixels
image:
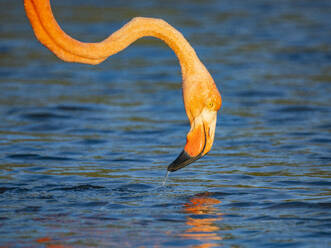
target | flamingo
[{"x": 202, "y": 99}]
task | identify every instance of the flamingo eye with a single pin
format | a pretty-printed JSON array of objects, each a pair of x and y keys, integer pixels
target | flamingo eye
[{"x": 210, "y": 105}]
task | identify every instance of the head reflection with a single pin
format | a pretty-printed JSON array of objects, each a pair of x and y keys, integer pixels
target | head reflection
[{"x": 202, "y": 222}]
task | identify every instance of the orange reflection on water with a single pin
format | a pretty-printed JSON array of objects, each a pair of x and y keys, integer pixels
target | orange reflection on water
[
  {"x": 203, "y": 229},
  {"x": 49, "y": 243}
]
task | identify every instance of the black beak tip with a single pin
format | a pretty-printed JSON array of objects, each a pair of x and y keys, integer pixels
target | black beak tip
[{"x": 181, "y": 161}]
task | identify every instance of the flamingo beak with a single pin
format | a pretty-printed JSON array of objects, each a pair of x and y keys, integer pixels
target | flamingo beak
[
  {"x": 199, "y": 140},
  {"x": 181, "y": 161}
]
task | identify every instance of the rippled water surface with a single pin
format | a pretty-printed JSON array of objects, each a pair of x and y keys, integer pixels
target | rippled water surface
[{"x": 84, "y": 149}]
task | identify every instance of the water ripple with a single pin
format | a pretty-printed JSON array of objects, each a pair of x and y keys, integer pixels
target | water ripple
[
  {"x": 296, "y": 205},
  {"x": 36, "y": 157}
]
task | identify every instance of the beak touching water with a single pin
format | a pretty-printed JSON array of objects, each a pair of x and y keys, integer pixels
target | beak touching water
[{"x": 199, "y": 140}]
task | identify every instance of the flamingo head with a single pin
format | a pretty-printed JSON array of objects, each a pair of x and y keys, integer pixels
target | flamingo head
[{"x": 202, "y": 101}]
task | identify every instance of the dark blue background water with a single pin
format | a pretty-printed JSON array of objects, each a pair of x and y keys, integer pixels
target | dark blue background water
[{"x": 84, "y": 149}]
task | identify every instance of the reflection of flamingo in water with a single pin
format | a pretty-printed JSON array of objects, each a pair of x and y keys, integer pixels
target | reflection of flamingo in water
[
  {"x": 203, "y": 228},
  {"x": 201, "y": 97}
]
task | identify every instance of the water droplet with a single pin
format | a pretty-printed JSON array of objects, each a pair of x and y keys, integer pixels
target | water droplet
[{"x": 165, "y": 178}]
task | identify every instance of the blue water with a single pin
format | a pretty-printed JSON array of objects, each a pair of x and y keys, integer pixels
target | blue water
[{"x": 84, "y": 149}]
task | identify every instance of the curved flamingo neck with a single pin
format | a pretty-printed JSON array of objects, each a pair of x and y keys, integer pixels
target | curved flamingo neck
[{"x": 53, "y": 37}]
